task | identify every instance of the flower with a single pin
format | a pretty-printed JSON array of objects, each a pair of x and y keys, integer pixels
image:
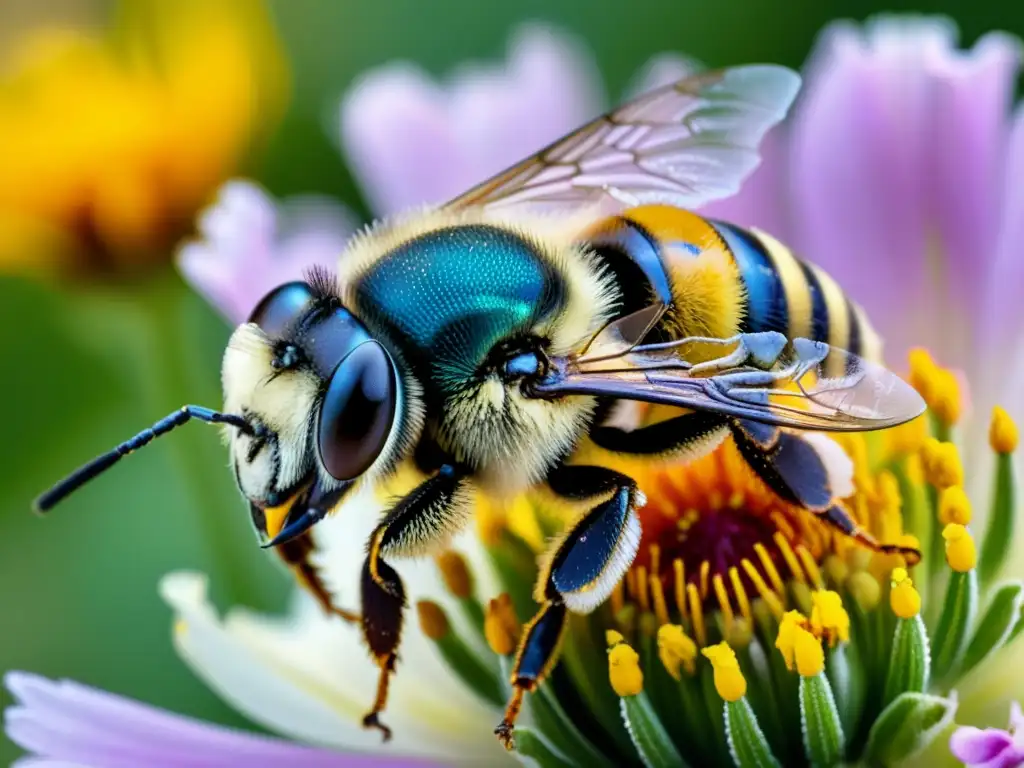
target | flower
[
  {"x": 250, "y": 245},
  {"x": 164, "y": 105},
  {"x": 992, "y": 747},
  {"x": 898, "y": 172},
  {"x": 65, "y": 723}
]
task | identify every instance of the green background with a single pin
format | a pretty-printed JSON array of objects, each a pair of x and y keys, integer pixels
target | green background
[{"x": 86, "y": 365}]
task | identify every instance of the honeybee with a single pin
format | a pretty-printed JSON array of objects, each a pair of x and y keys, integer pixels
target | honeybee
[{"x": 482, "y": 343}]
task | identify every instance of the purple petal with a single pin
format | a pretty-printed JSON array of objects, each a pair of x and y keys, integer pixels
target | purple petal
[
  {"x": 72, "y": 723},
  {"x": 989, "y": 748},
  {"x": 411, "y": 141},
  {"x": 250, "y": 245}
]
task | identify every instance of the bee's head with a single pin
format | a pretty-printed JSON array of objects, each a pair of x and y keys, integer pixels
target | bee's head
[
  {"x": 312, "y": 406},
  {"x": 322, "y": 396}
]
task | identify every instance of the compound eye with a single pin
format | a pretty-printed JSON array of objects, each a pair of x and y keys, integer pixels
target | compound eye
[
  {"x": 357, "y": 412},
  {"x": 279, "y": 308}
]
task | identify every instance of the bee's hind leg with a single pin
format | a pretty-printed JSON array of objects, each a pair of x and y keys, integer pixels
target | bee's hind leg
[
  {"x": 578, "y": 572},
  {"x": 431, "y": 512}
]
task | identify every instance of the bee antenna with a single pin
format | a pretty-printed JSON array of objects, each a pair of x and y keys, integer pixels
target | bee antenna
[{"x": 101, "y": 464}]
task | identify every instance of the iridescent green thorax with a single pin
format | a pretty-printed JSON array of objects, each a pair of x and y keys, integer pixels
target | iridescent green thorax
[{"x": 447, "y": 297}]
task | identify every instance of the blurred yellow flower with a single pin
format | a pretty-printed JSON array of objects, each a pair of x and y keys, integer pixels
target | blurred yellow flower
[{"x": 110, "y": 141}]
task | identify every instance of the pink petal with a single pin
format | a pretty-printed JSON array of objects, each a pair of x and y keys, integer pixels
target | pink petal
[{"x": 71, "y": 723}]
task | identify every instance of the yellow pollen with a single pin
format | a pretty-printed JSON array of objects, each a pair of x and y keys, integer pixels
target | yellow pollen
[
  {"x": 789, "y": 557},
  {"x": 954, "y": 506},
  {"x": 828, "y": 617},
  {"x": 961, "y": 553},
  {"x": 810, "y": 567},
  {"x": 655, "y": 556},
  {"x": 922, "y": 372},
  {"x": 770, "y": 598},
  {"x": 836, "y": 569},
  {"x": 658, "y": 598},
  {"x": 696, "y": 613},
  {"x": 433, "y": 622},
  {"x": 903, "y": 598},
  {"x": 786, "y": 639},
  {"x": 729, "y": 680},
  {"x": 455, "y": 573},
  {"x": 676, "y": 650},
  {"x": 941, "y": 464},
  {"x": 643, "y": 596},
  {"x": 624, "y": 670},
  {"x": 810, "y": 658},
  {"x": 705, "y": 571},
  {"x": 618, "y": 598},
  {"x": 864, "y": 589},
  {"x": 769, "y": 568},
  {"x": 1002, "y": 432},
  {"x": 679, "y": 586},
  {"x": 613, "y": 637},
  {"x": 723, "y": 600},
  {"x": 742, "y": 601},
  {"x": 907, "y": 438},
  {"x": 946, "y": 401}
]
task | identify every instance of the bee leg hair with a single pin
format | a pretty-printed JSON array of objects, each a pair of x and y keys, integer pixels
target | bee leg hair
[
  {"x": 424, "y": 515},
  {"x": 295, "y": 553},
  {"x": 579, "y": 571}
]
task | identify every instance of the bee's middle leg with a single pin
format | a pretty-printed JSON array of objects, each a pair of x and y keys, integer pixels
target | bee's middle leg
[
  {"x": 579, "y": 571},
  {"x": 431, "y": 512}
]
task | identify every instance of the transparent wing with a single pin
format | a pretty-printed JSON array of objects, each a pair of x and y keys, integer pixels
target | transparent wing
[
  {"x": 796, "y": 391},
  {"x": 684, "y": 144}
]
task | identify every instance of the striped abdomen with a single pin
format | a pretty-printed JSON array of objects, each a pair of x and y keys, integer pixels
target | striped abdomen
[{"x": 722, "y": 279}]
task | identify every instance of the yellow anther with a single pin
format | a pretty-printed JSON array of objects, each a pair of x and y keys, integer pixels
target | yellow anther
[
  {"x": 696, "y": 613},
  {"x": 491, "y": 521},
  {"x": 770, "y": 597},
  {"x": 836, "y": 569},
  {"x": 810, "y": 658},
  {"x": 922, "y": 372},
  {"x": 888, "y": 489},
  {"x": 907, "y": 438},
  {"x": 954, "y": 506},
  {"x": 903, "y": 598},
  {"x": 643, "y": 596},
  {"x": 1002, "y": 432},
  {"x": 723, "y": 599},
  {"x": 941, "y": 464},
  {"x": 961, "y": 553},
  {"x": 705, "y": 571},
  {"x": 729, "y": 680},
  {"x": 676, "y": 650},
  {"x": 613, "y": 638},
  {"x": 624, "y": 670},
  {"x": 658, "y": 598},
  {"x": 790, "y": 558},
  {"x": 433, "y": 622},
  {"x": 742, "y": 601},
  {"x": 786, "y": 639},
  {"x": 769, "y": 568},
  {"x": 740, "y": 634},
  {"x": 631, "y": 583},
  {"x": 810, "y": 566},
  {"x": 828, "y": 617},
  {"x": 654, "y": 556},
  {"x": 501, "y": 626},
  {"x": 618, "y": 597},
  {"x": 864, "y": 589},
  {"x": 679, "y": 586},
  {"x": 455, "y": 573},
  {"x": 945, "y": 402}
]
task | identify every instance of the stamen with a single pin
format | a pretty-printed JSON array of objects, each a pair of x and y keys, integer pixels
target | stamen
[
  {"x": 676, "y": 649},
  {"x": 961, "y": 553},
  {"x": 631, "y": 584},
  {"x": 456, "y": 575},
  {"x": 658, "y": 598},
  {"x": 769, "y": 568},
  {"x": 941, "y": 464},
  {"x": 783, "y": 525},
  {"x": 501, "y": 625},
  {"x": 811, "y": 567},
  {"x": 705, "y": 570},
  {"x": 829, "y": 618},
  {"x": 723, "y": 600},
  {"x": 624, "y": 670},
  {"x": 654, "y": 552},
  {"x": 742, "y": 601},
  {"x": 613, "y": 637},
  {"x": 789, "y": 557},
  {"x": 864, "y": 589},
  {"x": 954, "y": 506},
  {"x": 904, "y": 598},
  {"x": 729, "y": 681},
  {"x": 1002, "y": 432},
  {"x": 696, "y": 614},
  {"x": 618, "y": 597},
  {"x": 679, "y": 586},
  {"x": 643, "y": 596},
  {"x": 771, "y": 598},
  {"x": 798, "y": 646},
  {"x": 433, "y": 622}
]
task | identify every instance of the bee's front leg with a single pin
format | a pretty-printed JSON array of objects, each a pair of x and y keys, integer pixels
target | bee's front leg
[
  {"x": 430, "y": 513},
  {"x": 295, "y": 553},
  {"x": 579, "y": 571}
]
